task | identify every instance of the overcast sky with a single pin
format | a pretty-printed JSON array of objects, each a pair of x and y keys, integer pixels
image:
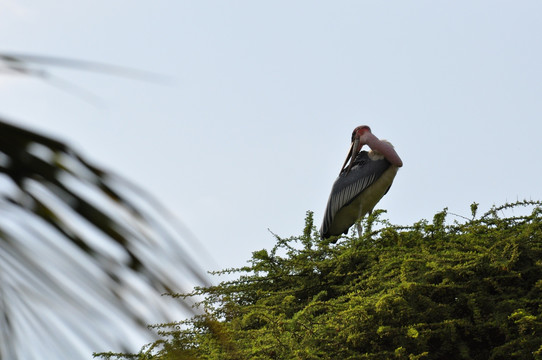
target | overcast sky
[{"x": 256, "y": 124}]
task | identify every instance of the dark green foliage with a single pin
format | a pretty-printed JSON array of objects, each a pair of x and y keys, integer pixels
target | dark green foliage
[{"x": 427, "y": 291}]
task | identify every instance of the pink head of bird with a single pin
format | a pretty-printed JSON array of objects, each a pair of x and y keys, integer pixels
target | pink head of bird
[{"x": 355, "y": 147}]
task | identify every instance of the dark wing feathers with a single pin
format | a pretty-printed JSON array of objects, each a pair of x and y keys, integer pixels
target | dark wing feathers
[
  {"x": 342, "y": 195},
  {"x": 347, "y": 187}
]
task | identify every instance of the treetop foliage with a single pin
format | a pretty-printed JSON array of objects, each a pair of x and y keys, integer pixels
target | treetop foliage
[{"x": 433, "y": 290}]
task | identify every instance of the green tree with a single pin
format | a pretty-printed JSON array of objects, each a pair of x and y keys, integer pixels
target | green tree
[{"x": 432, "y": 290}]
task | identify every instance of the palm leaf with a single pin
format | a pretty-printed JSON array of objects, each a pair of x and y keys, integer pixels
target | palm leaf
[
  {"x": 33, "y": 65},
  {"x": 84, "y": 254}
]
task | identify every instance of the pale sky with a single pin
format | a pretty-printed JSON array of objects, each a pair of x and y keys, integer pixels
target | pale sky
[{"x": 255, "y": 127}]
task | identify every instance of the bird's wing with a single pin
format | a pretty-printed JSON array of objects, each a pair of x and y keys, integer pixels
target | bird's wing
[{"x": 348, "y": 186}]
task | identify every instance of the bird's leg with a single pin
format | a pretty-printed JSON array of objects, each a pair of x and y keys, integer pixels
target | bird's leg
[{"x": 359, "y": 228}]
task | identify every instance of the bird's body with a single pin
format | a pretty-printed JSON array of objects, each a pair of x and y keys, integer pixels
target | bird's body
[{"x": 360, "y": 186}]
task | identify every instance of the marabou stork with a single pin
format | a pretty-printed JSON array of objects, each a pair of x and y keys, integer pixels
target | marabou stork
[{"x": 361, "y": 184}]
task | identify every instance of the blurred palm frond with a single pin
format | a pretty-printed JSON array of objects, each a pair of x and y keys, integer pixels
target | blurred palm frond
[
  {"x": 33, "y": 65},
  {"x": 84, "y": 254}
]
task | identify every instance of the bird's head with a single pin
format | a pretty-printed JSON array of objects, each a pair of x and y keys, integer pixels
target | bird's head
[{"x": 358, "y": 140}]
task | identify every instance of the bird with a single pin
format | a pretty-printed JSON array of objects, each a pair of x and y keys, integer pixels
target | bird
[{"x": 365, "y": 177}]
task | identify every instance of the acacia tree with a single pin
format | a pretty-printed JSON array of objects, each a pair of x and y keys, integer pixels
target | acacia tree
[
  {"x": 84, "y": 254},
  {"x": 432, "y": 290}
]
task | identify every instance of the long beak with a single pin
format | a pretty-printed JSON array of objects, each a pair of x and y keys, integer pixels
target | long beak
[{"x": 351, "y": 156}]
